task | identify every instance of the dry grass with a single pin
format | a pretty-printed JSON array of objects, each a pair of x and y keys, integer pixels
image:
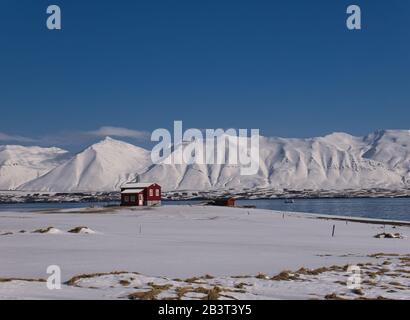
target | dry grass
[
  {"x": 261, "y": 276},
  {"x": 73, "y": 281},
  {"x": 209, "y": 294},
  {"x": 77, "y": 229},
  {"x": 181, "y": 291},
  {"x": 3, "y": 280},
  {"x": 45, "y": 230},
  {"x": 241, "y": 277},
  {"x": 333, "y": 296},
  {"x": 193, "y": 280},
  {"x": 124, "y": 283},
  {"x": 386, "y": 235},
  {"x": 145, "y": 295},
  {"x": 382, "y": 254},
  {"x": 240, "y": 285},
  {"x": 314, "y": 272},
  {"x": 213, "y": 294},
  {"x": 160, "y": 286},
  {"x": 402, "y": 271},
  {"x": 285, "y": 276},
  {"x": 359, "y": 292}
]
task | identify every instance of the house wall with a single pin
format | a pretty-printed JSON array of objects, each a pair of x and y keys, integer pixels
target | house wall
[
  {"x": 149, "y": 200},
  {"x": 129, "y": 202},
  {"x": 154, "y": 196}
]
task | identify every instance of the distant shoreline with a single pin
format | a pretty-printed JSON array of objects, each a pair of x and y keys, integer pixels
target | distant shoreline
[{"x": 11, "y": 196}]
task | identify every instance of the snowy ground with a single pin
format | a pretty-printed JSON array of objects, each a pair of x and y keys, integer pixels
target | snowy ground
[{"x": 191, "y": 252}]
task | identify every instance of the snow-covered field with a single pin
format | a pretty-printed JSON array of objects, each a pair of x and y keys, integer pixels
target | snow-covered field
[{"x": 191, "y": 252}]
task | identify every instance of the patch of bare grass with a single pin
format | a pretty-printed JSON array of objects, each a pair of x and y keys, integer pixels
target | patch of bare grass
[
  {"x": 262, "y": 276},
  {"x": 73, "y": 281},
  {"x": 382, "y": 254},
  {"x": 124, "y": 283},
  {"x": 213, "y": 294},
  {"x": 3, "y": 280},
  {"x": 333, "y": 296},
  {"x": 145, "y": 295},
  {"x": 45, "y": 230},
  {"x": 285, "y": 276}
]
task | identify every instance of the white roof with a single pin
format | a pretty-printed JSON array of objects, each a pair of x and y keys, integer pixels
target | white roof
[
  {"x": 137, "y": 185},
  {"x": 132, "y": 191}
]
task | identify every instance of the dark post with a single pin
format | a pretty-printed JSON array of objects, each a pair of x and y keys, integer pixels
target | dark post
[{"x": 333, "y": 231}]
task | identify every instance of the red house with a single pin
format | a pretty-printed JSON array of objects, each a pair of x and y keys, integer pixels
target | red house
[
  {"x": 140, "y": 194},
  {"x": 225, "y": 202}
]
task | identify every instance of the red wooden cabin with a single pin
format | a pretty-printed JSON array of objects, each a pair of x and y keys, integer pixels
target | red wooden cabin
[
  {"x": 140, "y": 194},
  {"x": 225, "y": 202}
]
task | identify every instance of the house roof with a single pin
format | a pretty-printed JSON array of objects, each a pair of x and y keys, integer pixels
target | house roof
[
  {"x": 127, "y": 191},
  {"x": 136, "y": 185}
]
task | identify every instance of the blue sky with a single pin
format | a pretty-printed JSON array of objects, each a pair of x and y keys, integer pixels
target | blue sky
[{"x": 290, "y": 68}]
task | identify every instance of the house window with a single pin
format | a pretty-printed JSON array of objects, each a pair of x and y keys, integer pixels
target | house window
[
  {"x": 140, "y": 197},
  {"x": 151, "y": 192},
  {"x": 157, "y": 192},
  {"x": 132, "y": 198},
  {"x": 126, "y": 199}
]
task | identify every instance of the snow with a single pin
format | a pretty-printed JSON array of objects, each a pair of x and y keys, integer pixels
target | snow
[
  {"x": 20, "y": 164},
  {"x": 137, "y": 185},
  {"x": 335, "y": 162},
  {"x": 104, "y": 166},
  {"x": 131, "y": 191},
  {"x": 232, "y": 245}
]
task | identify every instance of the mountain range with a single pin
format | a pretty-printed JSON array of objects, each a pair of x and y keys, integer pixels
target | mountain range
[{"x": 333, "y": 162}]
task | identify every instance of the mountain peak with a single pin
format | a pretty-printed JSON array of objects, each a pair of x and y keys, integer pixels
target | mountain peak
[{"x": 108, "y": 142}]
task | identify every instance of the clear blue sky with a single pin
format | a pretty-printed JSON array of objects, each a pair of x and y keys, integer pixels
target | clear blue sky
[{"x": 290, "y": 68}]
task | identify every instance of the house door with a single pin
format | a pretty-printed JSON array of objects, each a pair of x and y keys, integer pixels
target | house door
[{"x": 140, "y": 200}]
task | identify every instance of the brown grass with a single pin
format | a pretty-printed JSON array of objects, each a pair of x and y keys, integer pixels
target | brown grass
[
  {"x": 285, "y": 276},
  {"x": 181, "y": 291},
  {"x": 192, "y": 280},
  {"x": 209, "y": 294},
  {"x": 240, "y": 285},
  {"x": 145, "y": 295},
  {"x": 213, "y": 294},
  {"x": 21, "y": 279},
  {"x": 124, "y": 283},
  {"x": 45, "y": 230},
  {"x": 359, "y": 292},
  {"x": 382, "y": 254},
  {"x": 159, "y": 286},
  {"x": 73, "y": 281},
  {"x": 333, "y": 296},
  {"x": 313, "y": 272},
  {"x": 77, "y": 229},
  {"x": 262, "y": 276}
]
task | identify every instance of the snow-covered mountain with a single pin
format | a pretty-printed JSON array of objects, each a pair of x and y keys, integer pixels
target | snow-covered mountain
[
  {"x": 104, "y": 166},
  {"x": 336, "y": 161},
  {"x": 20, "y": 164}
]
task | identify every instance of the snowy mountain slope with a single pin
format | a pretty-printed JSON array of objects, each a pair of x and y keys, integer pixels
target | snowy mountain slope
[
  {"x": 336, "y": 161},
  {"x": 20, "y": 164},
  {"x": 104, "y": 166},
  {"x": 332, "y": 162}
]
